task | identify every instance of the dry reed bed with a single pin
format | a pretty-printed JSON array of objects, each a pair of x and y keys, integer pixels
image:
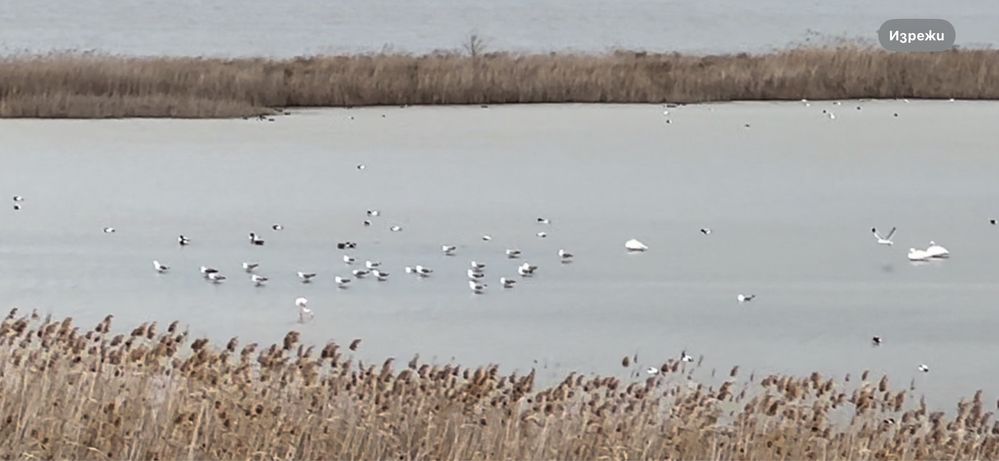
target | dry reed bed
[
  {"x": 90, "y": 86},
  {"x": 67, "y": 393}
]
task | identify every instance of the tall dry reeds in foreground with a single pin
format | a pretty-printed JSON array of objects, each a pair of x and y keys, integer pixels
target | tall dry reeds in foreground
[
  {"x": 67, "y": 393},
  {"x": 87, "y": 86}
]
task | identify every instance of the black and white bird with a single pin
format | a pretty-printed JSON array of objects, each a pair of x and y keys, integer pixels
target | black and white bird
[
  {"x": 526, "y": 270},
  {"x": 512, "y": 253},
  {"x": 216, "y": 277},
  {"x": 277, "y": 227},
  {"x": 346, "y": 245},
  {"x": 371, "y": 264},
  {"x": 347, "y": 259},
  {"x": 250, "y": 267},
  {"x": 476, "y": 287},
  {"x": 206, "y": 271},
  {"x": 258, "y": 280},
  {"x": 876, "y": 341},
  {"x": 745, "y": 298},
  {"x": 544, "y": 221},
  {"x": 341, "y": 282},
  {"x": 923, "y": 368},
  {"x": 477, "y": 266},
  {"x": 109, "y": 230},
  {"x": 17, "y": 207},
  {"x": 684, "y": 357},
  {"x": 992, "y": 221},
  {"x": 373, "y": 213},
  {"x": 507, "y": 283},
  {"x": 360, "y": 273},
  {"x": 366, "y": 222},
  {"x": 706, "y": 230},
  {"x": 542, "y": 234},
  {"x": 161, "y": 268},
  {"x": 886, "y": 240},
  {"x": 183, "y": 241},
  {"x": 395, "y": 228},
  {"x": 652, "y": 371},
  {"x": 255, "y": 239},
  {"x": 18, "y": 198},
  {"x": 448, "y": 249},
  {"x": 423, "y": 271},
  {"x": 379, "y": 275},
  {"x": 306, "y": 277},
  {"x": 565, "y": 255},
  {"x": 474, "y": 274},
  {"x": 487, "y": 237},
  {"x": 360, "y": 166}
]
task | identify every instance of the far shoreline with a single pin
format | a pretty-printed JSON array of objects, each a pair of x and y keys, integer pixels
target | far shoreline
[{"x": 94, "y": 86}]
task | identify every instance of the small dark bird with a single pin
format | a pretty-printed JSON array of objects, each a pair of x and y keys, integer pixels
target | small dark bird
[
  {"x": 255, "y": 240},
  {"x": 992, "y": 221},
  {"x": 706, "y": 230},
  {"x": 17, "y": 207},
  {"x": 876, "y": 341},
  {"x": 183, "y": 240},
  {"x": 354, "y": 344}
]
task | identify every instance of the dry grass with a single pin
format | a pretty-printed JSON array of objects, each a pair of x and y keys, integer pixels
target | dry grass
[
  {"x": 69, "y": 394},
  {"x": 87, "y": 85}
]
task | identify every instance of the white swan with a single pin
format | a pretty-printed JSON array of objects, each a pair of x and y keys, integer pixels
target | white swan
[
  {"x": 937, "y": 251},
  {"x": 918, "y": 255},
  {"x": 507, "y": 283},
  {"x": 635, "y": 245}
]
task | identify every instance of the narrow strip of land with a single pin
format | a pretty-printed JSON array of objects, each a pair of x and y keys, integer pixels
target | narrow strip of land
[{"x": 100, "y": 86}]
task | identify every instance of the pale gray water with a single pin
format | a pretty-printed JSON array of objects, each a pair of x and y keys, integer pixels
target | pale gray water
[
  {"x": 296, "y": 27},
  {"x": 791, "y": 201}
]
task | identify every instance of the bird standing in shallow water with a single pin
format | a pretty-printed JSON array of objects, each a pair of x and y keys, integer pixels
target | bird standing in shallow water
[
  {"x": 161, "y": 268},
  {"x": 255, "y": 240},
  {"x": 745, "y": 298},
  {"x": 306, "y": 277}
]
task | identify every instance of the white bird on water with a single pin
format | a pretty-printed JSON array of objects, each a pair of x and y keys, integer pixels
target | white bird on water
[
  {"x": 161, "y": 268},
  {"x": 745, "y": 298},
  {"x": 526, "y": 270},
  {"x": 304, "y": 312},
  {"x": 507, "y": 283},
  {"x": 542, "y": 234},
  {"x": 886, "y": 240},
  {"x": 423, "y": 271},
  {"x": 474, "y": 274},
  {"x": 513, "y": 253},
  {"x": 216, "y": 277},
  {"x": 379, "y": 275},
  {"x": 372, "y": 264},
  {"x": 916, "y": 254},
  {"x": 652, "y": 371},
  {"x": 250, "y": 267},
  {"x": 476, "y": 287},
  {"x": 18, "y": 198},
  {"x": 685, "y": 358},
  {"x": 937, "y": 251},
  {"x": 395, "y": 228},
  {"x": 306, "y": 277},
  {"x": 258, "y": 280},
  {"x": 544, "y": 221},
  {"x": 487, "y": 237},
  {"x": 109, "y": 230},
  {"x": 277, "y": 227},
  {"x": 635, "y": 245},
  {"x": 477, "y": 265},
  {"x": 360, "y": 273},
  {"x": 706, "y": 230},
  {"x": 923, "y": 368},
  {"x": 341, "y": 282},
  {"x": 565, "y": 255},
  {"x": 206, "y": 271},
  {"x": 448, "y": 249},
  {"x": 373, "y": 213},
  {"x": 255, "y": 239},
  {"x": 347, "y": 259}
]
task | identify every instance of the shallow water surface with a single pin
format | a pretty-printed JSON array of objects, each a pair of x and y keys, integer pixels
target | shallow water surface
[{"x": 791, "y": 200}]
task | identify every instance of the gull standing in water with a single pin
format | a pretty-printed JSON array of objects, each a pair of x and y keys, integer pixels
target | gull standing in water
[
  {"x": 161, "y": 268},
  {"x": 886, "y": 240},
  {"x": 372, "y": 264},
  {"x": 341, "y": 282},
  {"x": 258, "y": 280},
  {"x": 706, "y": 230},
  {"x": 306, "y": 277},
  {"x": 507, "y": 283},
  {"x": 216, "y": 277},
  {"x": 360, "y": 273},
  {"x": 304, "y": 312},
  {"x": 109, "y": 230},
  {"x": 18, "y": 198},
  {"x": 542, "y": 234},
  {"x": 448, "y": 249},
  {"x": 206, "y": 271},
  {"x": 513, "y": 254},
  {"x": 347, "y": 259},
  {"x": 565, "y": 255},
  {"x": 745, "y": 298},
  {"x": 526, "y": 270},
  {"x": 255, "y": 240},
  {"x": 379, "y": 275},
  {"x": 544, "y": 221},
  {"x": 477, "y": 266},
  {"x": 422, "y": 271},
  {"x": 373, "y": 213},
  {"x": 250, "y": 267},
  {"x": 476, "y": 287},
  {"x": 395, "y": 228},
  {"x": 635, "y": 245},
  {"x": 474, "y": 274},
  {"x": 277, "y": 227}
]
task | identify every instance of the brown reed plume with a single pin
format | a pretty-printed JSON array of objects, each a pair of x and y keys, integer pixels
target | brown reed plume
[
  {"x": 77, "y": 393},
  {"x": 96, "y": 86}
]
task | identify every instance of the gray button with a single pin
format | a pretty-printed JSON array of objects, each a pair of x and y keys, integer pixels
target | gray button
[{"x": 917, "y": 35}]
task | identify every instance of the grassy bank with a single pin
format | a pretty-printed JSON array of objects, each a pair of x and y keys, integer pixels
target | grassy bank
[
  {"x": 89, "y": 86},
  {"x": 71, "y": 393}
]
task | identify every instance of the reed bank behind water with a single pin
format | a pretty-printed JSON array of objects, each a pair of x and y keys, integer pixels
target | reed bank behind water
[{"x": 97, "y": 86}]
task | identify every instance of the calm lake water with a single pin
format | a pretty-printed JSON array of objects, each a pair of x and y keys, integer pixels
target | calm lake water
[
  {"x": 296, "y": 27},
  {"x": 791, "y": 200}
]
